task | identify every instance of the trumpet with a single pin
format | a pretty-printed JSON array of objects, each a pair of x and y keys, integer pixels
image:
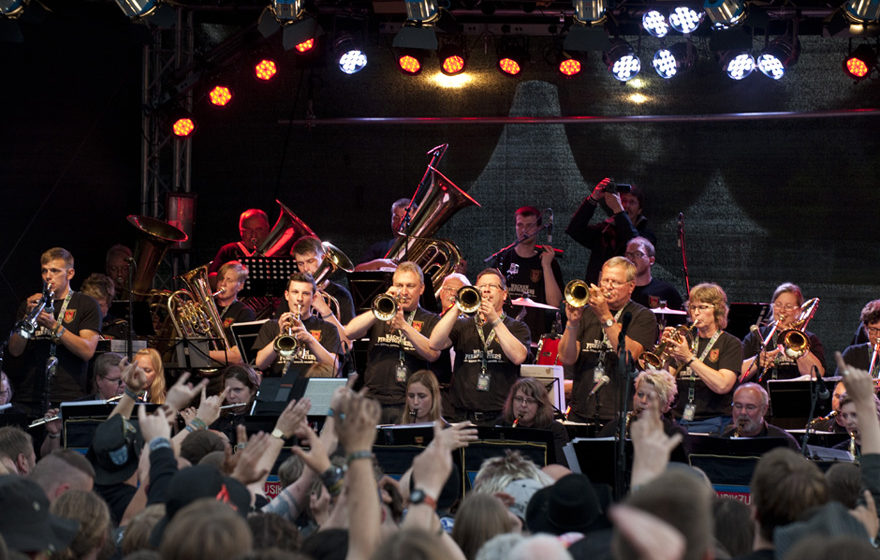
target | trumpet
[
  {"x": 285, "y": 343},
  {"x": 468, "y": 299},
  {"x": 28, "y": 326},
  {"x": 385, "y": 307},
  {"x": 794, "y": 341},
  {"x": 577, "y": 293}
]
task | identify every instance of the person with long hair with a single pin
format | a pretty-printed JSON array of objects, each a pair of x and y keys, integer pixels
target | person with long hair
[
  {"x": 241, "y": 383},
  {"x": 150, "y": 361},
  {"x": 423, "y": 403},
  {"x": 528, "y": 406}
]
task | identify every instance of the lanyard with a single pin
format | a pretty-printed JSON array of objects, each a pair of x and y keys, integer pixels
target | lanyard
[
  {"x": 692, "y": 388},
  {"x": 52, "y": 346},
  {"x": 616, "y": 320},
  {"x": 486, "y": 341},
  {"x": 400, "y": 336}
]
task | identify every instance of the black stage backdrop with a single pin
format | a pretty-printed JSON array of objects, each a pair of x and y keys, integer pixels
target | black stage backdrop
[{"x": 765, "y": 200}]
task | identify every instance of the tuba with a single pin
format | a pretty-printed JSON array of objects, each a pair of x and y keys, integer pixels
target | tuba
[
  {"x": 155, "y": 236},
  {"x": 287, "y": 229},
  {"x": 577, "y": 293},
  {"x": 193, "y": 312},
  {"x": 436, "y": 257},
  {"x": 794, "y": 341}
]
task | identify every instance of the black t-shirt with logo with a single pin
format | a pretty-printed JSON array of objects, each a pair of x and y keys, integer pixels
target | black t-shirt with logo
[{"x": 325, "y": 333}]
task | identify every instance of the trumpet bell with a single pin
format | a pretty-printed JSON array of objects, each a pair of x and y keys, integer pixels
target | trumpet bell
[
  {"x": 468, "y": 299},
  {"x": 384, "y": 307},
  {"x": 577, "y": 293},
  {"x": 334, "y": 259}
]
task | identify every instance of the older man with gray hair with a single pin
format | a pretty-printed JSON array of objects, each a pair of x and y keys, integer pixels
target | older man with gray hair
[{"x": 750, "y": 404}]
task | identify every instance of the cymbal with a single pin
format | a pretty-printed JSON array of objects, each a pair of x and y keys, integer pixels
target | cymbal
[
  {"x": 526, "y": 302},
  {"x": 667, "y": 311}
]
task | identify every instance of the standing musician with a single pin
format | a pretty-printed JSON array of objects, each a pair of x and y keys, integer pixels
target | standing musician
[
  {"x": 709, "y": 362},
  {"x": 400, "y": 347},
  {"x": 317, "y": 341},
  {"x": 860, "y": 355},
  {"x": 649, "y": 291},
  {"x": 774, "y": 362},
  {"x": 489, "y": 349},
  {"x": 590, "y": 341},
  {"x": 608, "y": 238},
  {"x": 531, "y": 272},
  {"x": 62, "y": 345},
  {"x": 253, "y": 226},
  {"x": 230, "y": 280},
  {"x": 309, "y": 254}
]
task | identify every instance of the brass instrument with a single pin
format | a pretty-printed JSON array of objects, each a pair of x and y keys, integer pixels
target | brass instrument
[
  {"x": 660, "y": 357},
  {"x": 193, "y": 312},
  {"x": 794, "y": 340},
  {"x": 468, "y": 299},
  {"x": 334, "y": 260},
  {"x": 155, "y": 237},
  {"x": 436, "y": 257},
  {"x": 852, "y": 444},
  {"x": 874, "y": 358},
  {"x": 629, "y": 418},
  {"x": 28, "y": 326},
  {"x": 287, "y": 229},
  {"x": 577, "y": 293},
  {"x": 384, "y": 307},
  {"x": 286, "y": 344}
]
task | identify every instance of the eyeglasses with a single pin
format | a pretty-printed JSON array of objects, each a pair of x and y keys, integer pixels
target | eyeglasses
[
  {"x": 613, "y": 283},
  {"x": 635, "y": 255},
  {"x": 117, "y": 381},
  {"x": 786, "y": 307},
  {"x": 487, "y": 286},
  {"x": 873, "y": 331},
  {"x": 524, "y": 400},
  {"x": 702, "y": 307},
  {"x": 748, "y": 407}
]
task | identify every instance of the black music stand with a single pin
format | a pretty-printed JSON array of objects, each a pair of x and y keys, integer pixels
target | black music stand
[
  {"x": 191, "y": 354},
  {"x": 729, "y": 462},
  {"x": 537, "y": 445},
  {"x": 267, "y": 276},
  {"x": 365, "y": 286},
  {"x": 245, "y": 335},
  {"x": 791, "y": 401},
  {"x": 143, "y": 320},
  {"x": 80, "y": 419}
]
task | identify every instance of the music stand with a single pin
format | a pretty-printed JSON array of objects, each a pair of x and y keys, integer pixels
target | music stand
[
  {"x": 537, "y": 445},
  {"x": 276, "y": 392},
  {"x": 80, "y": 419},
  {"x": 729, "y": 463},
  {"x": 790, "y": 400},
  {"x": 192, "y": 353},
  {"x": 267, "y": 276},
  {"x": 245, "y": 335},
  {"x": 365, "y": 286}
]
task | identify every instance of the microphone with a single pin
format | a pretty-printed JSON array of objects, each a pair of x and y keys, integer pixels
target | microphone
[
  {"x": 516, "y": 422},
  {"x": 822, "y": 389},
  {"x": 755, "y": 331},
  {"x": 550, "y": 228},
  {"x": 601, "y": 382}
]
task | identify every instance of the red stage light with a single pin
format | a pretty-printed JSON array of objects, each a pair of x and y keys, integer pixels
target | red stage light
[
  {"x": 856, "y": 67},
  {"x": 452, "y": 65},
  {"x": 509, "y": 66},
  {"x": 266, "y": 69},
  {"x": 860, "y": 62},
  {"x": 183, "y": 127},
  {"x": 570, "y": 67},
  {"x": 306, "y": 45},
  {"x": 409, "y": 64},
  {"x": 220, "y": 95}
]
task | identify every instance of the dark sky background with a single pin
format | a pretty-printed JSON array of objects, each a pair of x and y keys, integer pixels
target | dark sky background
[{"x": 766, "y": 200}]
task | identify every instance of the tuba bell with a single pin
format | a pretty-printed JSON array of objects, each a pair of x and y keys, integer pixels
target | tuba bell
[
  {"x": 436, "y": 257},
  {"x": 155, "y": 236},
  {"x": 287, "y": 229},
  {"x": 577, "y": 293}
]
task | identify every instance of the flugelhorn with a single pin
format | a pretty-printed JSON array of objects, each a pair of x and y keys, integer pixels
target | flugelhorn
[
  {"x": 660, "y": 357},
  {"x": 577, "y": 293}
]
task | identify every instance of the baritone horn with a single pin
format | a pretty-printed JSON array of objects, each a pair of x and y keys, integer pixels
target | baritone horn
[
  {"x": 577, "y": 293},
  {"x": 794, "y": 341}
]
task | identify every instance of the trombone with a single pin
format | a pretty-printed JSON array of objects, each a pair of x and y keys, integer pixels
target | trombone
[{"x": 794, "y": 340}]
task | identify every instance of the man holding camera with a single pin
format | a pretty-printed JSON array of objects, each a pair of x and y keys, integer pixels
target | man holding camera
[{"x": 608, "y": 238}]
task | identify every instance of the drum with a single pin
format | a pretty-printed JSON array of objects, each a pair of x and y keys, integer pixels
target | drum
[{"x": 548, "y": 351}]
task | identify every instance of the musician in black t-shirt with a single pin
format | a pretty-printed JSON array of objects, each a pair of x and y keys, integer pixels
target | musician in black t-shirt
[
  {"x": 230, "y": 280},
  {"x": 489, "y": 349}
]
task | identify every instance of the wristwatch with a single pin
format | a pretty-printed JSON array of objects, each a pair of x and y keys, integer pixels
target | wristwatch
[
  {"x": 277, "y": 433},
  {"x": 419, "y": 496},
  {"x": 609, "y": 322}
]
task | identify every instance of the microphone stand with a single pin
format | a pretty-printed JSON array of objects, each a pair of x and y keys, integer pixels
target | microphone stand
[
  {"x": 815, "y": 391},
  {"x": 684, "y": 261},
  {"x": 624, "y": 373},
  {"x": 514, "y": 244},
  {"x": 129, "y": 335}
]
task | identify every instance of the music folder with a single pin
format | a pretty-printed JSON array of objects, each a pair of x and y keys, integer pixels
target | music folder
[{"x": 245, "y": 335}]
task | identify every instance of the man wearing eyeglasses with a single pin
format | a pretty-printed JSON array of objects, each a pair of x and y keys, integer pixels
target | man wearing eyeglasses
[
  {"x": 866, "y": 356},
  {"x": 108, "y": 377},
  {"x": 750, "y": 404},
  {"x": 489, "y": 349},
  {"x": 772, "y": 362},
  {"x": 649, "y": 291},
  {"x": 591, "y": 336}
]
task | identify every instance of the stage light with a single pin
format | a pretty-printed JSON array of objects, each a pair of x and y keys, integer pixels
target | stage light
[
  {"x": 685, "y": 19},
  {"x": 569, "y": 67},
  {"x": 509, "y": 66},
  {"x": 622, "y": 61},
  {"x": 676, "y": 60},
  {"x": 737, "y": 64},
  {"x": 418, "y": 31},
  {"x": 512, "y": 55},
  {"x": 590, "y": 12},
  {"x": 453, "y": 59},
  {"x": 220, "y": 96},
  {"x": 655, "y": 23},
  {"x": 11, "y": 8},
  {"x": 725, "y": 14},
  {"x": 305, "y": 46},
  {"x": 136, "y": 9},
  {"x": 860, "y": 62},
  {"x": 290, "y": 16},
  {"x": 265, "y": 69},
  {"x": 410, "y": 62},
  {"x": 349, "y": 55},
  {"x": 183, "y": 127},
  {"x": 775, "y": 59},
  {"x": 862, "y": 11}
]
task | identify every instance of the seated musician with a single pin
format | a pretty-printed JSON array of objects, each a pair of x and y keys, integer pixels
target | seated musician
[
  {"x": 423, "y": 400},
  {"x": 374, "y": 257},
  {"x": 102, "y": 289},
  {"x": 253, "y": 226},
  {"x": 834, "y": 421},
  {"x": 773, "y": 362},
  {"x": 230, "y": 280},
  {"x": 531, "y": 272},
  {"x": 489, "y": 348},
  {"x": 709, "y": 363},
  {"x": 851, "y": 422},
  {"x": 591, "y": 337},
  {"x": 309, "y": 254},
  {"x": 446, "y": 293},
  {"x": 865, "y": 355},
  {"x": 749, "y": 406},
  {"x": 528, "y": 405},
  {"x": 649, "y": 291},
  {"x": 399, "y": 347},
  {"x": 317, "y": 341},
  {"x": 241, "y": 384}
]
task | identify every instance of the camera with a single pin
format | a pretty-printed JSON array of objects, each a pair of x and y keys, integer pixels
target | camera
[{"x": 617, "y": 188}]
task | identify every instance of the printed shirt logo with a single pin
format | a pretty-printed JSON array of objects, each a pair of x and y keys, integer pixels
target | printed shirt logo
[
  {"x": 417, "y": 325},
  {"x": 69, "y": 315},
  {"x": 316, "y": 334},
  {"x": 713, "y": 354},
  {"x": 227, "y": 322},
  {"x": 535, "y": 275}
]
